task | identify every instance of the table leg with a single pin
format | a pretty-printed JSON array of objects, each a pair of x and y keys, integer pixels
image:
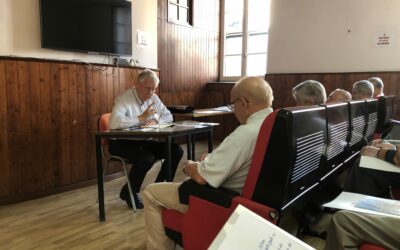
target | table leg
[
  {"x": 168, "y": 158},
  {"x": 188, "y": 147},
  {"x": 100, "y": 181},
  {"x": 210, "y": 140},
  {"x": 193, "y": 147}
]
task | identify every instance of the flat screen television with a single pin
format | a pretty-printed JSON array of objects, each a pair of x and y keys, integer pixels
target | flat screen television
[{"x": 90, "y": 26}]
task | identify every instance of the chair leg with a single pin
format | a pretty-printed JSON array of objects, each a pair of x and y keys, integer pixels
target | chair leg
[{"x": 129, "y": 187}]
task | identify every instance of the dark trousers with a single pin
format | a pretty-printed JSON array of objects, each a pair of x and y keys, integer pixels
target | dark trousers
[
  {"x": 143, "y": 155},
  {"x": 370, "y": 181}
]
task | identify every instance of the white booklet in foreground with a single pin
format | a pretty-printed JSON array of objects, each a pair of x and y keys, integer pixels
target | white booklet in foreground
[
  {"x": 378, "y": 164},
  {"x": 247, "y": 230}
]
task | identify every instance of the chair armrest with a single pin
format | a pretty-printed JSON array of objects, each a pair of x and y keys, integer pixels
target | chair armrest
[{"x": 220, "y": 196}]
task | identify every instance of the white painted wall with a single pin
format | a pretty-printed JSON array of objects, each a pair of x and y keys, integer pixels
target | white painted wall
[
  {"x": 20, "y": 33},
  {"x": 333, "y": 36}
]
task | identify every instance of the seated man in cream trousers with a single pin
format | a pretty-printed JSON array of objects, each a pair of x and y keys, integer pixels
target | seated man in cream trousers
[
  {"x": 227, "y": 166},
  {"x": 348, "y": 230}
]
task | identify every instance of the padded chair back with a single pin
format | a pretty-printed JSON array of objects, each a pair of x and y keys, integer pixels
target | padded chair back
[
  {"x": 385, "y": 112},
  {"x": 258, "y": 155},
  {"x": 372, "y": 118},
  {"x": 292, "y": 162},
  {"x": 104, "y": 125},
  {"x": 338, "y": 134},
  {"x": 338, "y": 126},
  {"x": 358, "y": 124}
]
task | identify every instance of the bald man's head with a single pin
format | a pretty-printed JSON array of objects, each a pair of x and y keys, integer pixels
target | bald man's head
[
  {"x": 339, "y": 95},
  {"x": 249, "y": 95},
  {"x": 255, "y": 90}
]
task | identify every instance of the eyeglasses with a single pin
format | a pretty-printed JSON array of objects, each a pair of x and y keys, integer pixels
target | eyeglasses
[
  {"x": 232, "y": 104},
  {"x": 148, "y": 89}
]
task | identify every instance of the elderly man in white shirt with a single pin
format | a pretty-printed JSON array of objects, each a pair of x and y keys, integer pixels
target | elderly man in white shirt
[
  {"x": 140, "y": 106},
  {"x": 227, "y": 166}
]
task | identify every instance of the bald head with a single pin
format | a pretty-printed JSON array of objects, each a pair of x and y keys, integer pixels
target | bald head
[
  {"x": 255, "y": 90},
  {"x": 249, "y": 95},
  {"x": 339, "y": 95}
]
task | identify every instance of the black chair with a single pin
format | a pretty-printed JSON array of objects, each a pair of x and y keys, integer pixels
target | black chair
[
  {"x": 386, "y": 127},
  {"x": 385, "y": 113},
  {"x": 292, "y": 165},
  {"x": 358, "y": 125},
  {"x": 338, "y": 136},
  {"x": 372, "y": 118}
]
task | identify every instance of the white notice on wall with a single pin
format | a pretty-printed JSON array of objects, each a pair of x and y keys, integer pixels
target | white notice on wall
[
  {"x": 384, "y": 40},
  {"x": 142, "y": 39}
]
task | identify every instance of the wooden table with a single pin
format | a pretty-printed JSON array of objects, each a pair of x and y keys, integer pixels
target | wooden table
[{"x": 167, "y": 134}]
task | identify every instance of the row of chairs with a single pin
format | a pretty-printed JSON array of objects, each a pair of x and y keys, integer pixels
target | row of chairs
[{"x": 298, "y": 151}]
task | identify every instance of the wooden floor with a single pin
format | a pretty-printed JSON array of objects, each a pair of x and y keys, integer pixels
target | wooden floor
[{"x": 70, "y": 220}]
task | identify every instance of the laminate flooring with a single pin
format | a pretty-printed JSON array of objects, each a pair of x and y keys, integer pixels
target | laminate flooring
[{"x": 70, "y": 220}]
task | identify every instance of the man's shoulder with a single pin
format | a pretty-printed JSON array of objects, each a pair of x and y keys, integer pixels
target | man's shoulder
[
  {"x": 246, "y": 131},
  {"x": 126, "y": 95}
]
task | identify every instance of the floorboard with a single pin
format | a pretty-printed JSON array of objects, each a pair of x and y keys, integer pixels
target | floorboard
[{"x": 70, "y": 220}]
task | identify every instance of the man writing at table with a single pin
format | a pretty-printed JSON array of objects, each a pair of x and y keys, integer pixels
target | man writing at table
[
  {"x": 140, "y": 106},
  {"x": 227, "y": 166}
]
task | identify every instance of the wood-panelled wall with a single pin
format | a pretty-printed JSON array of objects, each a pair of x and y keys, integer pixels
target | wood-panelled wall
[
  {"x": 282, "y": 84},
  {"x": 49, "y": 109},
  {"x": 188, "y": 56},
  {"x": 48, "y": 112},
  {"x": 218, "y": 93}
]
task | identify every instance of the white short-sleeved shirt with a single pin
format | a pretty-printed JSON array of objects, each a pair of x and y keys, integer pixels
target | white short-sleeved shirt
[
  {"x": 229, "y": 163},
  {"x": 128, "y": 107}
]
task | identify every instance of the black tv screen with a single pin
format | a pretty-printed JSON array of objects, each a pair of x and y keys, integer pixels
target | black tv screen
[{"x": 92, "y": 26}]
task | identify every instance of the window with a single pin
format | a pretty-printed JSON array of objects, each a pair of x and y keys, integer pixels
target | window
[
  {"x": 180, "y": 11},
  {"x": 244, "y": 40}
]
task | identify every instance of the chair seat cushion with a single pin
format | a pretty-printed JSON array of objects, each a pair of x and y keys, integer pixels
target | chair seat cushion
[
  {"x": 172, "y": 219},
  {"x": 368, "y": 246}
]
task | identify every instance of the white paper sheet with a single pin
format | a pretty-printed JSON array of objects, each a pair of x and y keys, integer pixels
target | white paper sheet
[
  {"x": 378, "y": 164},
  {"x": 349, "y": 201},
  {"x": 247, "y": 230}
]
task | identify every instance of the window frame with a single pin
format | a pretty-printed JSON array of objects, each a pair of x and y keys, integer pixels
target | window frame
[
  {"x": 188, "y": 7},
  {"x": 245, "y": 37}
]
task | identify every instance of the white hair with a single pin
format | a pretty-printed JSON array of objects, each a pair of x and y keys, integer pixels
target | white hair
[
  {"x": 309, "y": 91},
  {"x": 147, "y": 73},
  {"x": 364, "y": 87}
]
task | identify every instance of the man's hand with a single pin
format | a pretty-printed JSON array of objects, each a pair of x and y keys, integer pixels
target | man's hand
[
  {"x": 149, "y": 123},
  {"x": 370, "y": 151},
  {"x": 147, "y": 113},
  {"x": 203, "y": 156},
  {"x": 190, "y": 169}
]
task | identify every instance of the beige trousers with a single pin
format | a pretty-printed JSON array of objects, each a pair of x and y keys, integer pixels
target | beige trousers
[
  {"x": 156, "y": 197},
  {"x": 350, "y": 229}
]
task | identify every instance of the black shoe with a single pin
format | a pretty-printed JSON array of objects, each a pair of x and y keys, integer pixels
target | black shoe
[{"x": 125, "y": 197}]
